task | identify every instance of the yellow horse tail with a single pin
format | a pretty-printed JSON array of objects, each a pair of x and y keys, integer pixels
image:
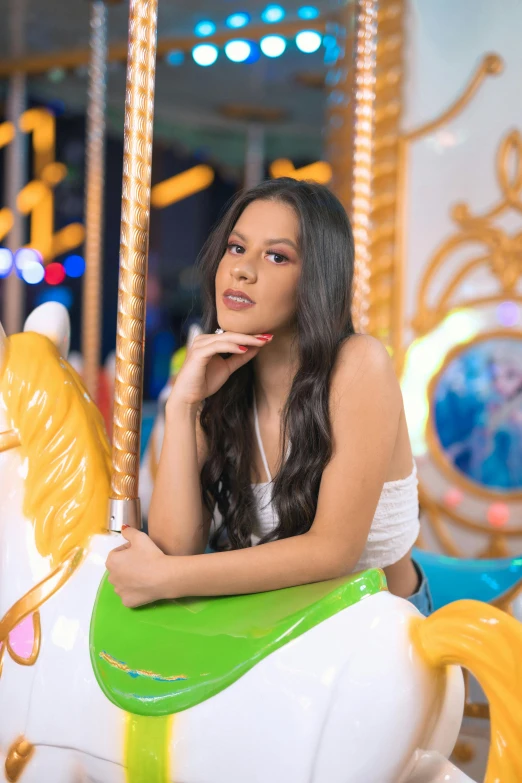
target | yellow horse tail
[{"x": 487, "y": 642}]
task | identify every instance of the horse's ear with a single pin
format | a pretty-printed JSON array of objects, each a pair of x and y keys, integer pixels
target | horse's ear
[{"x": 52, "y": 320}]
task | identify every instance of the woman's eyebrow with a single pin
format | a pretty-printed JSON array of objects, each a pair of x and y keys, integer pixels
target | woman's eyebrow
[
  {"x": 238, "y": 234},
  {"x": 282, "y": 241}
]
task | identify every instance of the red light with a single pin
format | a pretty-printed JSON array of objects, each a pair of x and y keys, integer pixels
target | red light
[{"x": 54, "y": 274}]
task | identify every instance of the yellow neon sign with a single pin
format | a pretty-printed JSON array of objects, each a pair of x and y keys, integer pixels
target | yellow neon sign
[
  {"x": 320, "y": 171},
  {"x": 181, "y": 186},
  {"x": 37, "y": 197}
]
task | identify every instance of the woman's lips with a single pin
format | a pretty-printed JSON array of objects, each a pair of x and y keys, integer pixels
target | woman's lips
[{"x": 234, "y": 303}]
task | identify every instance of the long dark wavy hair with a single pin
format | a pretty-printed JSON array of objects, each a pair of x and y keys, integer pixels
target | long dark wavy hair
[{"x": 324, "y": 321}]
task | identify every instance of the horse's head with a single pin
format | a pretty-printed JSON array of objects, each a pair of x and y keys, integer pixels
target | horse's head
[{"x": 54, "y": 456}]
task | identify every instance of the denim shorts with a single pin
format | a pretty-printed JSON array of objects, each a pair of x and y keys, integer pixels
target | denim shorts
[{"x": 421, "y": 598}]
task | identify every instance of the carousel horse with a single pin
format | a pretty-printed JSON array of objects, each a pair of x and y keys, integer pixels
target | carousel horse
[{"x": 336, "y": 682}]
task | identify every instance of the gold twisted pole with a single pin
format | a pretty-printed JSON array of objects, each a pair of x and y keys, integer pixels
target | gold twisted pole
[
  {"x": 364, "y": 102},
  {"x": 386, "y": 281},
  {"x": 91, "y": 315},
  {"x": 350, "y": 134},
  {"x": 134, "y": 242}
]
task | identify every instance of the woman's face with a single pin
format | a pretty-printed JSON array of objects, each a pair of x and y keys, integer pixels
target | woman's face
[{"x": 261, "y": 263}]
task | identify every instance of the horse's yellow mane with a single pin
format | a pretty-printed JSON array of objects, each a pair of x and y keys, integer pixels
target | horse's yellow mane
[{"x": 63, "y": 438}]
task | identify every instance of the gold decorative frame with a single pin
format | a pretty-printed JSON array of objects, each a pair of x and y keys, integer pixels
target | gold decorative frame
[
  {"x": 389, "y": 197},
  {"x": 436, "y": 450}
]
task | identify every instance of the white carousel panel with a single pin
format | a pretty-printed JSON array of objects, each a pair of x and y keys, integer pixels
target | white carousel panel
[{"x": 444, "y": 45}]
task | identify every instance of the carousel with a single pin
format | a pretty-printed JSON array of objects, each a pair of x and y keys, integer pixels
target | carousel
[{"x": 334, "y": 682}]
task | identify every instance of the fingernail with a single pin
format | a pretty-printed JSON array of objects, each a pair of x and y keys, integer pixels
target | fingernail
[
  {"x": 123, "y": 527},
  {"x": 243, "y": 348},
  {"x": 266, "y": 336}
]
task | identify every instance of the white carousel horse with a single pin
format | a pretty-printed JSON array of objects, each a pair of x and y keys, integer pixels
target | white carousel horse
[{"x": 333, "y": 683}]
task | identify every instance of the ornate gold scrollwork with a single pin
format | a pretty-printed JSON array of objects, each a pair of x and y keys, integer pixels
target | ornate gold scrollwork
[{"x": 500, "y": 252}]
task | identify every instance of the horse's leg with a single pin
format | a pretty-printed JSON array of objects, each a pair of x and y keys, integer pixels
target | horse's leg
[{"x": 432, "y": 767}]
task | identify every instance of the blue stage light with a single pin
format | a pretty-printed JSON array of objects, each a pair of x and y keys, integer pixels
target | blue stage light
[
  {"x": 273, "y": 13},
  {"x": 308, "y": 41},
  {"x": 237, "y": 20},
  {"x": 6, "y": 262},
  {"x": 205, "y": 54},
  {"x": 175, "y": 57},
  {"x": 272, "y": 45},
  {"x": 59, "y": 293},
  {"x": 308, "y": 12},
  {"x": 238, "y": 51},
  {"x": 202, "y": 29},
  {"x": 74, "y": 266}
]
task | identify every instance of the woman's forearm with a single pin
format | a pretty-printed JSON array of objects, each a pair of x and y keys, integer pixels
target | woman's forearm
[
  {"x": 284, "y": 563},
  {"x": 176, "y": 510}
]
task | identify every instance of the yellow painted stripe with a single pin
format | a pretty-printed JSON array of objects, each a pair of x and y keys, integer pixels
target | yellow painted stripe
[{"x": 147, "y": 749}]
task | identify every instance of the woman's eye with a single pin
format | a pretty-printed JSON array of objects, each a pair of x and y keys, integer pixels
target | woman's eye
[
  {"x": 235, "y": 249},
  {"x": 277, "y": 258}
]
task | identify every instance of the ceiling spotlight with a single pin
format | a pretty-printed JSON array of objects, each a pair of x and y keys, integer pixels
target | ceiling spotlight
[
  {"x": 238, "y": 51},
  {"x": 272, "y": 45},
  {"x": 237, "y": 20},
  {"x": 308, "y": 12},
  {"x": 205, "y": 54},
  {"x": 308, "y": 41},
  {"x": 205, "y": 28},
  {"x": 273, "y": 13}
]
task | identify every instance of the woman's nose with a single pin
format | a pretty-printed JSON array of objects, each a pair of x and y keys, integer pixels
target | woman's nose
[{"x": 244, "y": 270}]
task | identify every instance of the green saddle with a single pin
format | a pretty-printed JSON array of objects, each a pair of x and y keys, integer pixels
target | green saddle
[{"x": 166, "y": 657}]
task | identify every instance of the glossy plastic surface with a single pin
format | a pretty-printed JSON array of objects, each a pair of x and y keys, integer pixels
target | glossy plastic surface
[
  {"x": 451, "y": 579},
  {"x": 172, "y": 655}
]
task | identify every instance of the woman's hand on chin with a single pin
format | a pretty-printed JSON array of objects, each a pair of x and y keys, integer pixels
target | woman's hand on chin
[{"x": 138, "y": 570}]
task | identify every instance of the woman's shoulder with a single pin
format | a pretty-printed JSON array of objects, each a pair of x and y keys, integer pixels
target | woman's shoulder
[
  {"x": 365, "y": 369},
  {"x": 362, "y": 353}
]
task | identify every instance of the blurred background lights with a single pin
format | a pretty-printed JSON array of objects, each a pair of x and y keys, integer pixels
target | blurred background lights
[
  {"x": 273, "y": 13},
  {"x": 33, "y": 272},
  {"x": 59, "y": 293},
  {"x": 272, "y": 45},
  {"x": 308, "y": 12},
  {"x": 204, "y": 28},
  {"x": 74, "y": 266},
  {"x": 308, "y": 41},
  {"x": 237, "y": 20},
  {"x": 54, "y": 274},
  {"x": 175, "y": 57},
  {"x": 508, "y": 314},
  {"x": 238, "y": 51},
  {"x": 6, "y": 262},
  {"x": 25, "y": 260},
  {"x": 205, "y": 54}
]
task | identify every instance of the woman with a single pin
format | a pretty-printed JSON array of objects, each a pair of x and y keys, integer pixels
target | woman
[{"x": 278, "y": 371}]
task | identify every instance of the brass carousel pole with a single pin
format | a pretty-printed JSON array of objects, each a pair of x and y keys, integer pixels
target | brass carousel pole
[
  {"x": 134, "y": 241},
  {"x": 350, "y": 135},
  {"x": 16, "y": 160},
  {"x": 95, "y": 179}
]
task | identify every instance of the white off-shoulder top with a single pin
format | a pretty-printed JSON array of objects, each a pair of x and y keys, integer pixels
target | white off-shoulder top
[{"x": 394, "y": 529}]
